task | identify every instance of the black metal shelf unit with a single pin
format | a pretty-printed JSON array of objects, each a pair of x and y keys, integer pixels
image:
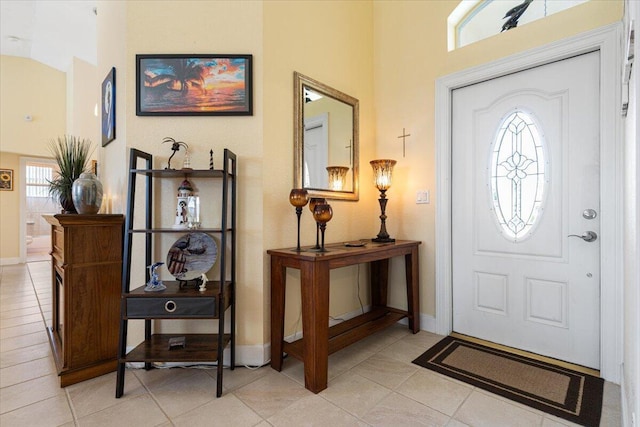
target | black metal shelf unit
[{"x": 177, "y": 302}]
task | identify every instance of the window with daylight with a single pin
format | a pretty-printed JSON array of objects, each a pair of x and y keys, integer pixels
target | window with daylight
[
  {"x": 474, "y": 20},
  {"x": 518, "y": 180},
  {"x": 37, "y": 179}
]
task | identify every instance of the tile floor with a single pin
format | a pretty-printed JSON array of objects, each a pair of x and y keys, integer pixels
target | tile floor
[{"x": 371, "y": 383}]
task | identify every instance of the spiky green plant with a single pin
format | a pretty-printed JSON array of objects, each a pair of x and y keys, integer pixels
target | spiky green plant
[{"x": 72, "y": 154}]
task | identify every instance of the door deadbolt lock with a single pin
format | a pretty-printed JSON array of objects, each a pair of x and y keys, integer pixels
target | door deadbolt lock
[
  {"x": 589, "y": 214},
  {"x": 588, "y": 236}
]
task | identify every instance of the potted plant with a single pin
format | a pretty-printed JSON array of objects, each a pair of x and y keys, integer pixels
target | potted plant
[{"x": 72, "y": 156}]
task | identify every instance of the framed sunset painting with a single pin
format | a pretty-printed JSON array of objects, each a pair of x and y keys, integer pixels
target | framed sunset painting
[{"x": 194, "y": 85}]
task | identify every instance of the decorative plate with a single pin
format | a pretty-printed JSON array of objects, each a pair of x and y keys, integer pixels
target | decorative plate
[{"x": 192, "y": 255}]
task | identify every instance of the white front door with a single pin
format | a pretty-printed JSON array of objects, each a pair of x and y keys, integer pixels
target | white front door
[{"x": 525, "y": 176}]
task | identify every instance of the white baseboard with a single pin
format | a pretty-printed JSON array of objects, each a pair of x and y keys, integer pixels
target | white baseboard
[{"x": 9, "y": 261}]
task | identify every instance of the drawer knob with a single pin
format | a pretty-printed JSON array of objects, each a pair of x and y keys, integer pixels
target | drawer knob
[{"x": 170, "y": 306}]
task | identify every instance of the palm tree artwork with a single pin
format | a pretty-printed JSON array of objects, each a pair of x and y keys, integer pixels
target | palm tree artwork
[
  {"x": 179, "y": 75},
  {"x": 182, "y": 84}
]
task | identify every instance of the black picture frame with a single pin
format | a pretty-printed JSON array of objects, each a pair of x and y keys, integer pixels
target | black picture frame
[
  {"x": 194, "y": 85},
  {"x": 109, "y": 107}
]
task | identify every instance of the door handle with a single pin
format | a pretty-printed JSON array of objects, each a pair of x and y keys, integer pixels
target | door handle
[{"x": 588, "y": 236}]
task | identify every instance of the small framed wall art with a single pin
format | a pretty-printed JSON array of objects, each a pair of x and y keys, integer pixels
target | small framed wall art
[
  {"x": 194, "y": 85},
  {"x": 6, "y": 179},
  {"x": 109, "y": 107}
]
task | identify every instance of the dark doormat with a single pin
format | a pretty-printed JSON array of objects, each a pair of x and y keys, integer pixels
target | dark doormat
[{"x": 559, "y": 391}]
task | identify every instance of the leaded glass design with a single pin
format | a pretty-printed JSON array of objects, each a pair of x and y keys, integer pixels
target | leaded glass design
[{"x": 518, "y": 167}]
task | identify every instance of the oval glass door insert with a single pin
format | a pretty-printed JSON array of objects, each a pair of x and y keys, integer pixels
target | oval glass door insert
[{"x": 518, "y": 167}]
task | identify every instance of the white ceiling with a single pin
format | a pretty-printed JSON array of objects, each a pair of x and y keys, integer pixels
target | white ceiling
[{"x": 49, "y": 31}]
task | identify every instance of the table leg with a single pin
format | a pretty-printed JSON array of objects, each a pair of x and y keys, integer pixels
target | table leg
[
  {"x": 379, "y": 282},
  {"x": 314, "y": 285},
  {"x": 278, "y": 285},
  {"x": 413, "y": 298}
]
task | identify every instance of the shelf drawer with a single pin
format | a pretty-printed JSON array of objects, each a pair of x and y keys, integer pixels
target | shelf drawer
[{"x": 167, "y": 307}]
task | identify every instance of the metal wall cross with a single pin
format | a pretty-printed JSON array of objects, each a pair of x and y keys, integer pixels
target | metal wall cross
[{"x": 404, "y": 139}]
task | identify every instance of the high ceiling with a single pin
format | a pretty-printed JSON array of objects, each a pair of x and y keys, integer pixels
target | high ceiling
[{"x": 49, "y": 31}]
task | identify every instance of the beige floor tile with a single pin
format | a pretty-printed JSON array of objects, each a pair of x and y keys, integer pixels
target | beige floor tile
[
  {"x": 313, "y": 410},
  {"x": 271, "y": 394},
  {"x": 29, "y": 298},
  {"x": 294, "y": 369},
  {"x": 382, "y": 339},
  {"x": 138, "y": 412},
  {"x": 227, "y": 410},
  {"x": 159, "y": 378},
  {"x": 27, "y": 371},
  {"x": 13, "y": 343},
  {"x": 435, "y": 391},
  {"x": 346, "y": 359},
  {"x": 611, "y": 405},
  {"x": 96, "y": 394},
  {"x": 28, "y": 392},
  {"x": 482, "y": 410},
  {"x": 19, "y": 330},
  {"x": 385, "y": 370},
  {"x": 355, "y": 394},
  {"x": 27, "y": 302},
  {"x": 240, "y": 376},
  {"x": 185, "y": 394},
  {"x": 50, "y": 412},
  {"x": 404, "y": 351},
  {"x": 26, "y": 354},
  {"x": 21, "y": 320},
  {"x": 398, "y": 410},
  {"x": 557, "y": 422},
  {"x": 423, "y": 339},
  {"x": 19, "y": 312},
  {"x": 456, "y": 423}
]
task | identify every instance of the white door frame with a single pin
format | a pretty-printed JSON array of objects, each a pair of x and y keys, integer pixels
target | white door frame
[{"x": 607, "y": 41}]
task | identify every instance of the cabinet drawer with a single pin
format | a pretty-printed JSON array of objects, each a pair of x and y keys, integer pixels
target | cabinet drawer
[{"x": 171, "y": 307}]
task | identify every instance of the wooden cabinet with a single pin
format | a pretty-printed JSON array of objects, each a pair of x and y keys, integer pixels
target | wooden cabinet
[
  {"x": 86, "y": 266},
  {"x": 176, "y": 301}
]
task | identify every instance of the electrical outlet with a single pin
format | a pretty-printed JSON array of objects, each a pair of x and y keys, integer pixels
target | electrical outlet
[{"x": 422, "y": 197}]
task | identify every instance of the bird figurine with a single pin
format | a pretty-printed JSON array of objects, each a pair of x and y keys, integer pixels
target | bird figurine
[
  {"x": 514, "y": 14},
  {"x": 154, "y": 284}
]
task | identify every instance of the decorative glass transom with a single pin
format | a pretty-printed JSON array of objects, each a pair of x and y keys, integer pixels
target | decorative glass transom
[{"x": 518, "y": 175}]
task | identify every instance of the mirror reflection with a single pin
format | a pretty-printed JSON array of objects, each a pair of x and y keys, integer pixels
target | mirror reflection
[{"x": 326, "y": 140}]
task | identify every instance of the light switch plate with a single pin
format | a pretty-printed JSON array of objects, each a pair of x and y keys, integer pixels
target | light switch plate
[{"x": 422, "y": 197}]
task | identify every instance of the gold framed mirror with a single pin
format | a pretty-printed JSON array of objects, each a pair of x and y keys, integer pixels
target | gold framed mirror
[{"x": 326, "y": 139}]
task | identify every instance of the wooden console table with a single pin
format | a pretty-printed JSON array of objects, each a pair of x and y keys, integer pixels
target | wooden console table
[{"x": 319, "y": 340}]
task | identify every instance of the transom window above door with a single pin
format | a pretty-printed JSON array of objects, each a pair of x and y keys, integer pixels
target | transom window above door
[{"x": 474, "y": 20}]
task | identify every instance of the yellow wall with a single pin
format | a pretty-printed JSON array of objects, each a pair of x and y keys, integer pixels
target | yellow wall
[
  {"x": 10, "y": 212},
  {"x": 331, "y": 42},
  {"x": 26, "y": 88},
  {"x": 410, "y": 45},
  {"x": 83, "y": 93}
]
